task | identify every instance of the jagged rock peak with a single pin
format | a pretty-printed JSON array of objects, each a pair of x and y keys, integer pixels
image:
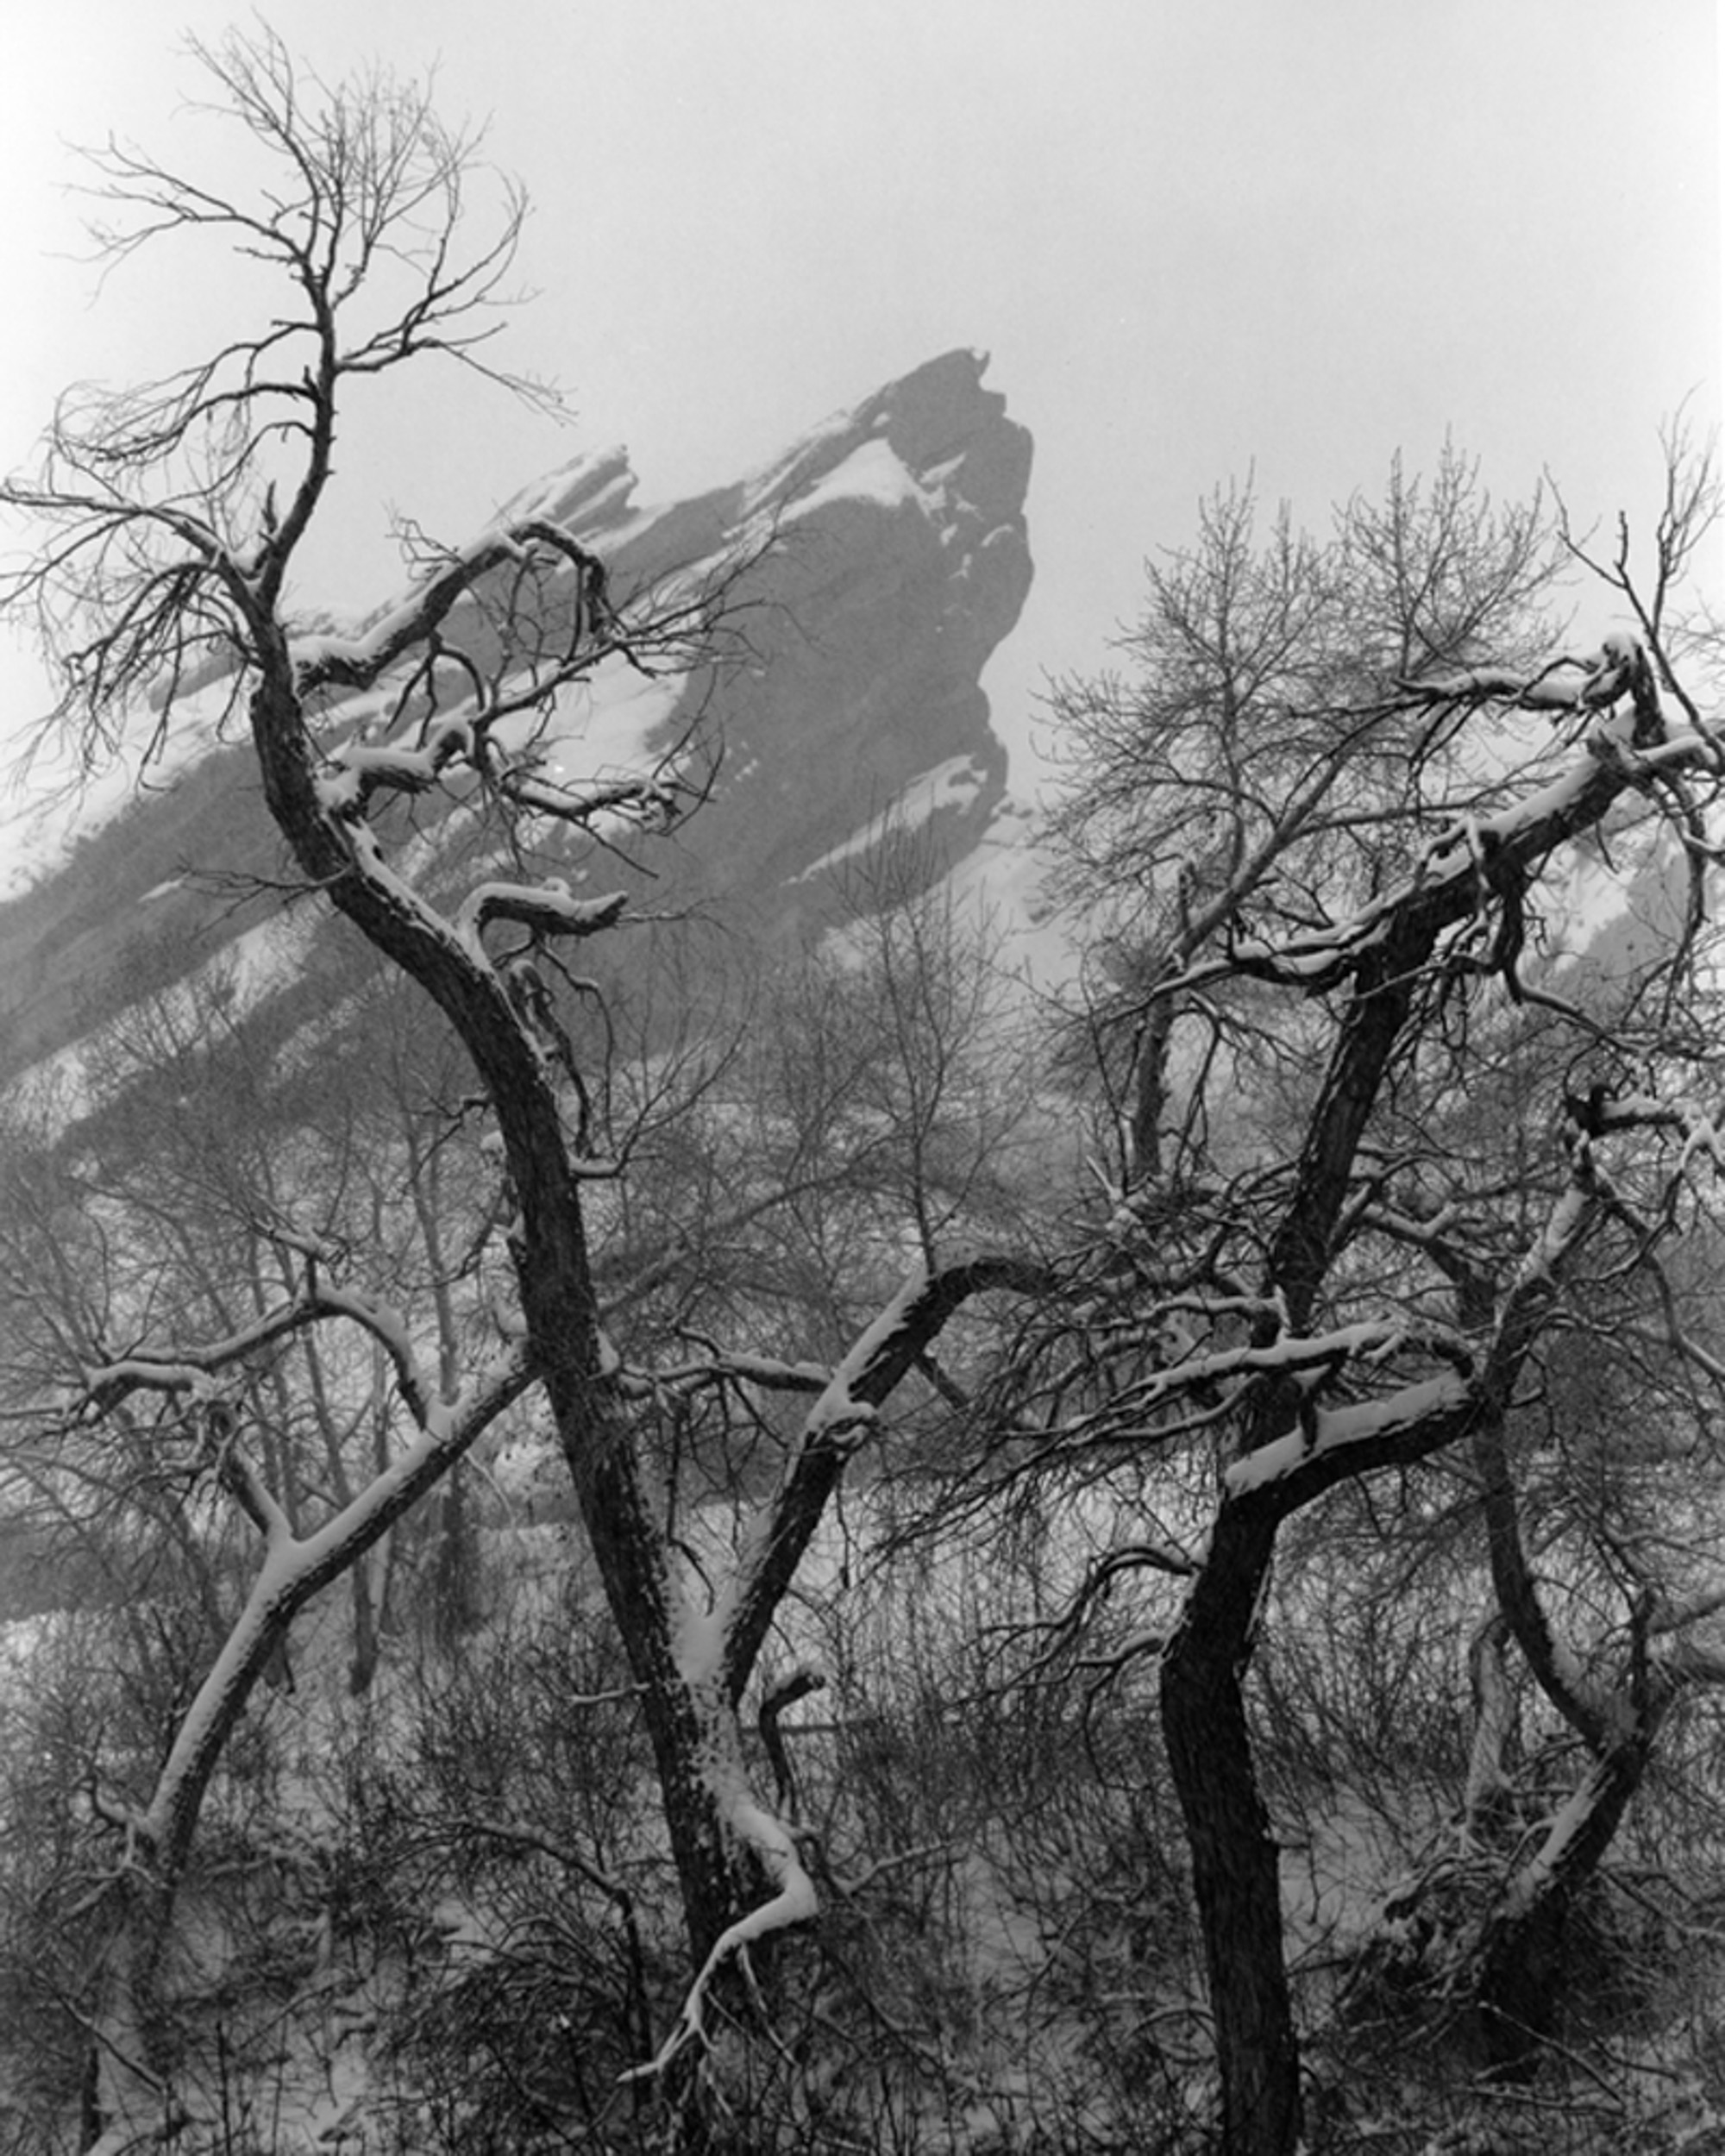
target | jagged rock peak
[
  {"x": 930, "y": 420},
  {"x": 900, "y": 562},
  {"x": 935, "y": 437},
  {"x": 886, "y": 557},
  {"x": 891, "y": 557}
]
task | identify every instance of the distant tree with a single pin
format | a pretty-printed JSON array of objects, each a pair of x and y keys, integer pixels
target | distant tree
[
  {"x": 174, "y": 514},
  {"x": 1382, "y": 1157}
]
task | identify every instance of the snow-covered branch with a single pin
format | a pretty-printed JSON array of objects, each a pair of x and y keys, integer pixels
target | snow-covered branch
[
  {"x": 187, "y": 1370},
  {"x": 548, "y": 907},
  {"x": 1307, "y": 1358},
  {"x": 293, "y": 1569},
  {"x": 324, "y": 661},
  {"x": 1429, "y": 1412},
  {"x": 794, "y": 1902},
  {"x": 840, "y": 1420},
  {"x": 648, "y": 798},
  {"x": 1627, "y": 748},
  {"x": 1329, "y": 1442},
  {"x": 1619, "y": 668}
]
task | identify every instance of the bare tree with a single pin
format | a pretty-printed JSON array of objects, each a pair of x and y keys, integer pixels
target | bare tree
[
  {"x": 1327, "y": 826},
  {"x": 175, "y": 513}
]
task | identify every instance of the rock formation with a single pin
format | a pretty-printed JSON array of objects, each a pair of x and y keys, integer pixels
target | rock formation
[{"x": 898, "y": 559}]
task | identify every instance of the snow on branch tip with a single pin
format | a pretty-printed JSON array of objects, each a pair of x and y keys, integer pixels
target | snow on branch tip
[
  {"x": 550, "y": 907},
  {"x": 1566, "y": 683},
  {"x": 328, "y": 659},
  {"x": 1336, "y": 1429}
]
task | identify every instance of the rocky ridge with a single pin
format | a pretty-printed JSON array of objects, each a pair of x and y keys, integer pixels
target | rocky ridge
[{"x": 899, "y": 559}]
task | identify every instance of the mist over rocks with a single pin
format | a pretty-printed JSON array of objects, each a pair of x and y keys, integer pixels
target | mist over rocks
[
  {"x": 893, "y": 556},
  {"x": 902, "y": 561},
  {"x": 899, "y": 559}
]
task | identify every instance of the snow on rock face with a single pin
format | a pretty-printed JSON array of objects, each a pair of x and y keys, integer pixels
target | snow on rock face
[
  {"x": 870, "y": 474},
  {"x": 895, "y": 559},
  {"x": 952, "y": 784},
  {"x": 899, "y": 559},
  {"x": 902, "y": 561},
  {"x": 587, "y": 495}
]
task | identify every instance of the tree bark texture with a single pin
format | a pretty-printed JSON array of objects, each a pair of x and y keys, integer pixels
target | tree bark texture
[
  {"x": 1235, "y": 1873},
  {"x": 1522, "y": 1977},
  {"x": 1234, "y": 1864},
  {"x": 558, "y": 1307}
]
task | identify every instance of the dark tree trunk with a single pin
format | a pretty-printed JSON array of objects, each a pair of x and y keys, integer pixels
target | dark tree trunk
[
  {"x": 558, "y": 1305},
  {"x": 1234, "y": 1864},
  {"x": 1235, "y": 1874},
  {"x": 362, "y": 1663},
  {"x": 456, "y": 1584},
  {"x": 685, "y": 1719},
  {"x": 1488, "y": 1804},
  {"x": 1522, "y": 1973}
]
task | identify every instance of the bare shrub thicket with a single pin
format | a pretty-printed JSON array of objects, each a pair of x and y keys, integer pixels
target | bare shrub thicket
[{"x": 999, "y": 1946}]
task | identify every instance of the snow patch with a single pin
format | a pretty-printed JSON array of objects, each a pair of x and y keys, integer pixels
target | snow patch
[
  {"x": 761, "y": 487},
  {"x": 260, "y": 959},
  {"x": 952, "y": 784},
  {"x": 599, "y": 725},
  {"x": 243, "y": 973},
  {"x": 589, "y": 490},
  {"x": 872, "y": 473},
  {"x": 1337, "y": 1428},
  {"x": 1001, "y": 889},
  {"x": 70, "y": 805}
]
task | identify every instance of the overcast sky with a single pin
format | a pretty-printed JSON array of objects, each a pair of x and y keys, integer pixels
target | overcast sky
[{"x": 1195, "y": 237}]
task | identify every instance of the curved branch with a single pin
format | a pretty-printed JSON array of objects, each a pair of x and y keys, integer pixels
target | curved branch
[
  {"x": 293, "y": 1571},
  {"x": 880, "y": 1359},
  {"x": 330, "y": 662},
  {"x": 1556, "y": 1672}
]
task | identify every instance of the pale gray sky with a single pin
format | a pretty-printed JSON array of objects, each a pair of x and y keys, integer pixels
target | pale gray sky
[{"x": 1298, "y": 233}]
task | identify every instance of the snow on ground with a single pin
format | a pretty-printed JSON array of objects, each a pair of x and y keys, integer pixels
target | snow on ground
[{"x": 259, "y": 959}]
